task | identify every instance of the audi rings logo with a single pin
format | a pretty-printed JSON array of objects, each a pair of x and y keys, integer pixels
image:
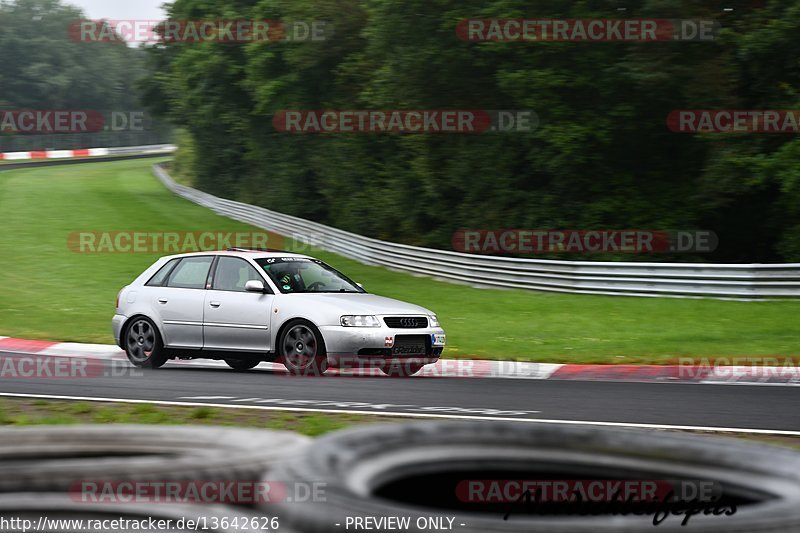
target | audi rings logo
[{"x": 405, "y": 322}]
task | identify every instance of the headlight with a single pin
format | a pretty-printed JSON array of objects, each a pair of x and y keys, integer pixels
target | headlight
[
  {"x": 362, "y": 321},
  {"x": 433, "y": 321}
]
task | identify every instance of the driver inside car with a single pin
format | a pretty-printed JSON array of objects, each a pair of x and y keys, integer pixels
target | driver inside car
[{"x": 288, "y": 277}]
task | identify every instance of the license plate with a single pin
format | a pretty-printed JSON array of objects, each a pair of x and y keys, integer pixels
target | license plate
[
  {"x": 408, "y": 349},
  {"x": 438, "y": 339}
]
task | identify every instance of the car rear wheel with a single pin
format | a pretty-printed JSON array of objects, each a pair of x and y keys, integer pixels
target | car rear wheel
[
  {"x": 143, "y": 344},
  {"x": 402, "y": 370},
  {"x": 242, "y": 364},
  {"x": 302, "y": 349}
]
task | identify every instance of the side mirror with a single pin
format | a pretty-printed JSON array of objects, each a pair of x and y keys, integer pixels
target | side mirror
[
  {"x": 254, "y": 285},
  {"x": 360, "y": 285}
]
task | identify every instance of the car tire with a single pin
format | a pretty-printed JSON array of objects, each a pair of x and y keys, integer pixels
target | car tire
[
  {"x": 241, "y": 365},
  {"x": 401, "y": 370},
  {"x": 55, "y": 458},
  {"x": 417, "y": 470},
  {"x": 302, "y": 349},
  {"x": 143, "y": 344}
]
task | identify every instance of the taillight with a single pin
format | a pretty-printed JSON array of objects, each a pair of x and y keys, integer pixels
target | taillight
[{"x": 118, "y": 295}]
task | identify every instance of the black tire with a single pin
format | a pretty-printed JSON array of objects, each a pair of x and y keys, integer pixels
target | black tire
[
  {"x": 240, "y": 365},
  {"x": 415, "y": 470},
  {"x": 143, "y": 344},
  {"x": 53, "y": 458},
  {"x": 302, "y": 349},
  {"x": 62, "y": 511},
  {"x": 400, "y": 370}
]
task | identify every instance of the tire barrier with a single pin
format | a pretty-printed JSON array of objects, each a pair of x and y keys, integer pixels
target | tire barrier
[
  {"x": 426, "y": 471},
  {"x": 55, "y": 458},
  {"x": 57, "y": 513}
]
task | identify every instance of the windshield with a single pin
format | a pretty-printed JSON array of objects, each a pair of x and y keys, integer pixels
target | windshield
[{"x": 299, "y": 274}]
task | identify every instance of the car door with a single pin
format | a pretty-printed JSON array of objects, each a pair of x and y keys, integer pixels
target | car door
[
  {"x": 235, "y": 319},
  {"x": 178, "y": 302}
]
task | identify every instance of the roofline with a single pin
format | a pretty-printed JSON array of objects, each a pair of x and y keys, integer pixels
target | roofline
[{"x": 239, "y": 252}]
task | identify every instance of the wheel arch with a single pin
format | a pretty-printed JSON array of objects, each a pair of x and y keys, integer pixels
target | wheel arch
[
  {"x": 124, "y": 329},
  {"x": 287, "y": 322}
]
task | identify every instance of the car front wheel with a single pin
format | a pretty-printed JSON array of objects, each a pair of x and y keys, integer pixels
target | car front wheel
[{"x": 302, "y": 349}]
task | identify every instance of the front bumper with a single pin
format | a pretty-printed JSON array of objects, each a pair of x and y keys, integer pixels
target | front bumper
[{"x": 346, "y": 345}]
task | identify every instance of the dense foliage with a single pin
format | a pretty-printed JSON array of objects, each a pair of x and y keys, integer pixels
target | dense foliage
[
  {"x": 43, "y": 68},
  {"x": 601, "y": 158}
]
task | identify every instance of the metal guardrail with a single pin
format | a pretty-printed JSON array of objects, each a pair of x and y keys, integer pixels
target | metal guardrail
[
  {"x": 113, "y": 154},
  {"x": 679, "y": 280},
  {"x": 146, "y": 149}
]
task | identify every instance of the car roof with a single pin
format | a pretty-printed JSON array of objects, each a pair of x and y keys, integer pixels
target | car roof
[{"x": 243, "y": 252}]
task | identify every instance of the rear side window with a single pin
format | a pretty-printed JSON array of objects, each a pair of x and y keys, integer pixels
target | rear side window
[
  {"x": 191, "y": 273},
  {"x": 161, "y": 275}
]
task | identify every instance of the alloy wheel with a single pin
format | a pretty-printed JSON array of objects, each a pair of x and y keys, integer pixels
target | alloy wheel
[{"x": 141, "y": 341}]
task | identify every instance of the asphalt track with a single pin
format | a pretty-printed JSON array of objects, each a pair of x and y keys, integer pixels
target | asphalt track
[{"x": 754, "y": 408}]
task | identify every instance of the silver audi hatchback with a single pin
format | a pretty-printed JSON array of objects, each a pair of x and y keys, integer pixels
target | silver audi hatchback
[{"x": 248, "y": 306}]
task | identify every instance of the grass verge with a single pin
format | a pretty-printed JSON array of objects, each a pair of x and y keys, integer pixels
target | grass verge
[
  {"x": 30, "y": 412},
  {"x": 51, "y": 292},
  {"x": 34, "y": 412}
]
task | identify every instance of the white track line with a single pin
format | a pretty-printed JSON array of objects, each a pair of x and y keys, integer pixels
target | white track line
[{"x": 409, "y": 415}]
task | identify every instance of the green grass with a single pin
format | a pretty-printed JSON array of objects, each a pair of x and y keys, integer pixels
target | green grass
[
  {"x": 26, "y": 412},
  {"x": 50, "y": 292}
]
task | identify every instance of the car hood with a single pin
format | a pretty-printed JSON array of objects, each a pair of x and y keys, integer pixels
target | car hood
[{"x": 363, "y": 304}]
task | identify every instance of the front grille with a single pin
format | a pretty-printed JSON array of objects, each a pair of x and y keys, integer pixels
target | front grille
[{"x": 406, "y": 322}]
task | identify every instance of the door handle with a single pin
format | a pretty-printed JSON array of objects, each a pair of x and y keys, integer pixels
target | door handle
[
  {"x": 162, "y": 300},
  {"x": 214, "y": 304}
]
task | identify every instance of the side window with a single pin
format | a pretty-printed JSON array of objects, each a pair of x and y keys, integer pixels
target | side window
[
  {"x": 232, "y": 273},
  {"x": 191, "y": 273},
  {"x": 161, "y": 275}
]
